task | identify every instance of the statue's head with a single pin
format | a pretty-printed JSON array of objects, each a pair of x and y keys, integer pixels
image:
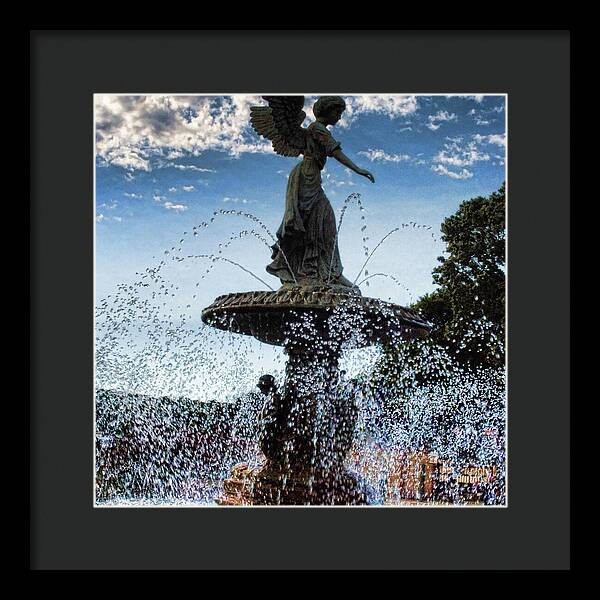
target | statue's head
[
  {"x": 266, "y": 383},
  {"x": 329, "y": 109}
]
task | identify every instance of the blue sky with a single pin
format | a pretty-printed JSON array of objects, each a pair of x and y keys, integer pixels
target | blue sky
[{"x": 164, "y": 164}]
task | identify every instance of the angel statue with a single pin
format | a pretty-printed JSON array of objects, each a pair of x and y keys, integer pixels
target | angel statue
[{"x": 307, "y": 249}]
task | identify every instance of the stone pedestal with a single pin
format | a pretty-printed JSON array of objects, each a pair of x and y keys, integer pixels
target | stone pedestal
[{"x": 308, "y": 430}]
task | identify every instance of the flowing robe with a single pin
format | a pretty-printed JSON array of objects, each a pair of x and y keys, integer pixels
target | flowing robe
[{"x": 307, "y": 235}]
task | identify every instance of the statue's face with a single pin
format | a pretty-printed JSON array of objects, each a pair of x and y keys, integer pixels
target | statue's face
[{"x": 335, "y": 114}]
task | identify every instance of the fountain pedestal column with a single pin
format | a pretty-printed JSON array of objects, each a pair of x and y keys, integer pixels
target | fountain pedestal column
[{"x": 307, "y": 432}]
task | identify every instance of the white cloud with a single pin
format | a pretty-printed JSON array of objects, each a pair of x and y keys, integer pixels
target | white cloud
[
  {"x": 110, "y": 206},
  {"x": 192, "y": 168},
  {"x": 440, "y": 117},
  {"x": 137, "y": 132},
  {"x": 442, "y": 170},
  {"x": 172, "y": 189},
  {"x": 380, "y": 155},
  {"x": 175, "y": 207},
  {"x": 457, "y": 155},
  {"x": 133, "y": 130},
  {"x": 331, "y": 180},
  {"x": 133, "y": 195},
  {"x": 101, "y": 218},
  {"x": 499, "y": 139},
  {"x": 188, "y": 188},
  {"x": 158, "y": 198},
  {"x": 486, "y": 116},
  {"x": 236, "y": 200},
  {"x": 477, "y": 97},
  {"x": 391, "y": 106}
]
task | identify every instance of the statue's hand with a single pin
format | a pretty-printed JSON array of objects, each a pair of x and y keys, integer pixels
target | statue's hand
[{"x": 366, "y": 174}]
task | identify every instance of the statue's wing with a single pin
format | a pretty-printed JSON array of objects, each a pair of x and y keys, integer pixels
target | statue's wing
[{"x": 281, "y": 122}]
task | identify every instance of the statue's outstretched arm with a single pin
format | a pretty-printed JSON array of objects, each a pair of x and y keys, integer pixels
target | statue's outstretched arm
[{"x": 343, "y": 159}]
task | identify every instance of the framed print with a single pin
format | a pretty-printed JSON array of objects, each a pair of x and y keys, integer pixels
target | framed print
[{"x": 302, "y": 304}]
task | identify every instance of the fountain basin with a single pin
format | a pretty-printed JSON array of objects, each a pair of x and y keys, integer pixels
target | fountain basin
[
  {"x": 329, "y": 312},
  {"x": 309, "y": 426}
]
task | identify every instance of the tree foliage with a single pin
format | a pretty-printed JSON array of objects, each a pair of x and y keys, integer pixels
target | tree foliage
[
  {"x": 468, "y": 308},
  {"x": 467, "y": 314}
]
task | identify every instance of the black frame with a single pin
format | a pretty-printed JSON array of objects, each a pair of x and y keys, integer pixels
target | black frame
[{"x": 533, "y": 532}]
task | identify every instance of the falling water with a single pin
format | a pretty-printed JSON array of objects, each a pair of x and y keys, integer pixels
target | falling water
[
  {"x": 385, "y": 237},
  {"x": 214, "y": 258},
  {"x": 387, "y": 276},
  {"x": 177, "y": 406},
  {"x": 265, "y": 228},
  {"x": 347, "y": 201}
]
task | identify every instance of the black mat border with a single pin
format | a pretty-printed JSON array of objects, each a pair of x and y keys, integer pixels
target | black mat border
[{"x": 67, "y": 68}]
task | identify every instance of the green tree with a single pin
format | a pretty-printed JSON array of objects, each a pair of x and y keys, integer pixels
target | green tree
[
  {"x": 467, "y": 310},
  {"x": 466, "y": 345}
]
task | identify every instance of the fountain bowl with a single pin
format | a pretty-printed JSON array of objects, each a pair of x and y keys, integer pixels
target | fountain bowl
[{"x": 331, "y": 312}]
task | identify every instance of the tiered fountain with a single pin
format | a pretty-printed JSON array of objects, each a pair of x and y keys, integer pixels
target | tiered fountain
[{"x": 315, "y": 315}]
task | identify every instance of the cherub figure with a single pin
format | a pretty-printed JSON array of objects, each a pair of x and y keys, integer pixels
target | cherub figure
[{"x": 307, "y": 249}]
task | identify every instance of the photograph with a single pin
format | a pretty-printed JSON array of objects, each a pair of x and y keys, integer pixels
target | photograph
[{"x": 300, "y": 300}]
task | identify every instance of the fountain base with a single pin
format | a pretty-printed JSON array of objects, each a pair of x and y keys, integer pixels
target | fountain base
[
  {"x": 308, "y": 428},
  {"x": 269, "y": 486}
]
